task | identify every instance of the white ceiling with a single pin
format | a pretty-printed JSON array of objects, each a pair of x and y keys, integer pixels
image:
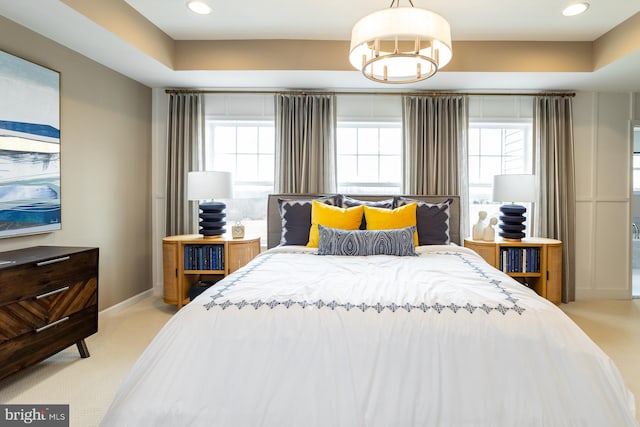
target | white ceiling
[
  {"x": 533, "y": 20},
  {"x": 521, "y": 20}
]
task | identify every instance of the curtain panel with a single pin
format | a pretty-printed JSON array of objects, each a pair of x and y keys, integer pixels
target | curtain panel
[
  {"x": 435, "y": 144},
  {"x": 554, "y": 160},
  {"x": 435, "y": 147},
  {"x": 305, "y": 143},
  {"x": 185, "y": 132}
]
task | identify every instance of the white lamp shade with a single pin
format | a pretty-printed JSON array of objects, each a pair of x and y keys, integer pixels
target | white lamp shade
[
  {"x": 514, "y": 188},
  {"x": 207, "y": 185}
]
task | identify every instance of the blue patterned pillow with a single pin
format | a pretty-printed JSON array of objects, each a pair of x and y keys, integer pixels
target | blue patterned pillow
[{"x": 397, "y": 241}]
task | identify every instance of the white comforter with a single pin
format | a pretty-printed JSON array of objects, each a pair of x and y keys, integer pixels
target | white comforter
[{"x": 442, "y": 339}]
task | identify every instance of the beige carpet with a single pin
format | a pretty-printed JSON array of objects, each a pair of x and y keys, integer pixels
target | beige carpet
[
  {"x": 88, "y": 385},
  {"x": 615, "y": 327}
]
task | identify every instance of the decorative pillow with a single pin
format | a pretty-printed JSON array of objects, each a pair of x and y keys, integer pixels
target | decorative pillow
[
  {"x": 348, "y": 202},
  {"x": 397, "y": 242},
  {"x": 332, "y": 216},
  {"x": 386, "y": 219},
  {"x": 295, "y": 215},
  {"x": 432, "y": 220}
]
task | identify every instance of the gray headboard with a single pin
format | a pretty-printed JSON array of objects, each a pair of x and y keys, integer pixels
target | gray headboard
[{"x": 274, "y": 223}]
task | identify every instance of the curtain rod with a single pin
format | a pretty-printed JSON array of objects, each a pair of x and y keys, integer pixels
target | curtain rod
[{"x": 319, "y": 92}]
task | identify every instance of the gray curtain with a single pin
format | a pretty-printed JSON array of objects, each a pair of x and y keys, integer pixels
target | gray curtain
[
  {"x": 305, "y": 143},
  {"x": 184, "y": 148},
  {"x": 435, "y": 147},
  {"x": 554, "y": 161}
]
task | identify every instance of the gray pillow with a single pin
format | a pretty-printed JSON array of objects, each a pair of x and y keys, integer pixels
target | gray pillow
[
  {"x": 295, "y": 215},
  {"x": 334, "y": 241},
  {"x": 349, "y": 202},
  {"x": 432, "y": 220}
]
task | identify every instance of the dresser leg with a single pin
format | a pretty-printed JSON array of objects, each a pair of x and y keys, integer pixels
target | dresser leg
[{"x": 83, "y": 349}]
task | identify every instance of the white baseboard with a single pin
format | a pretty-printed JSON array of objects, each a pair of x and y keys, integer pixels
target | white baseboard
[
  {"x": 117, "y": 308},
  {"x": 615, "y": 294}
]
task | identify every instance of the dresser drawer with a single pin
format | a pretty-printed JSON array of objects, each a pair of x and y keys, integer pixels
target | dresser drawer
[
  {"x": 33, "y": 347},
  {"x": 39, "y": 311},
  {"x": 40, "y": 277}
]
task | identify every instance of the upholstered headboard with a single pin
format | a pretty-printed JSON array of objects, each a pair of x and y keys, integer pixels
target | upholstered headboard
[{"x": 274, "y": 222}]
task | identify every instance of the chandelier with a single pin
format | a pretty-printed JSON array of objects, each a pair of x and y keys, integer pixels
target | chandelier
[{"x": 400, "y": 44}]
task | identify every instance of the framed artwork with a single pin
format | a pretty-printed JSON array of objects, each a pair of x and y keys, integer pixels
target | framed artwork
[{"x": 29, "y": 147}]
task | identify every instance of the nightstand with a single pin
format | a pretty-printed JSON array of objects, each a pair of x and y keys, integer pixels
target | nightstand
[
  {"x": 535, "y": 262},
  {"x": 188, "y": 258}
]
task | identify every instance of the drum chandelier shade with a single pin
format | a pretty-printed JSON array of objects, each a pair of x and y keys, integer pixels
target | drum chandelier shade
[{"x": 400, "y": 44}]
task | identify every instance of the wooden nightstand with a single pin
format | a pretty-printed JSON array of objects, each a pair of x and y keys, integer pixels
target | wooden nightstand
[
  {"x": 190, "y": 257},
  {"x": 534, "y": 261}
]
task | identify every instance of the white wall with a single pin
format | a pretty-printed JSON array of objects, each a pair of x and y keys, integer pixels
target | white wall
[
  {"x": 158, "y": 184},
  {"x": 603, "y": 188},
  {"x": 250, "y": 106},
  {"x": 500, "y": 108},
  {"x": 362, "y": 108}
]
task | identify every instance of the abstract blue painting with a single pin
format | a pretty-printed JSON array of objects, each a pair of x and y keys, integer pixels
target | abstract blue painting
[{"x": 29, "y": 147}]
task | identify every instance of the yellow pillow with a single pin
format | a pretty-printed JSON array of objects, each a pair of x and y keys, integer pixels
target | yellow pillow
[
  {"x": 386, "y": 219},
  {"x": 334, "y": 217}
]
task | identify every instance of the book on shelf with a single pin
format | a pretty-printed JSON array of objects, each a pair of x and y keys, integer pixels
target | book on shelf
[
  {"x": 520, "y": 259},
  {"x": 204, "y": 257}
]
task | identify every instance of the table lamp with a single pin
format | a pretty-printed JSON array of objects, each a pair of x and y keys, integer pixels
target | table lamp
[
  {"x": 205, "y": 186},
  {"x": 513, "y": 188}
]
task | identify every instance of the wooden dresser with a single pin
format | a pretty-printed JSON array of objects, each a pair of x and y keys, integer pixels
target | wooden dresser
[{"x": 48, "y": 301}]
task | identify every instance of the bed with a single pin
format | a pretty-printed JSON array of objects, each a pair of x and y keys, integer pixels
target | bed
[{"x": 433, "y": 338}]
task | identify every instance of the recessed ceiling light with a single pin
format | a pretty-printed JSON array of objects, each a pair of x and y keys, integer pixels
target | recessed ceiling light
[
  {"x": 199, "y": 7},
  {"x": 575, "y": 9}
]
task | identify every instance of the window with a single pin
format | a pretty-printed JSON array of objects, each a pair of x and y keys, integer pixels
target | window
[
  {"x": 247, "y": 150},
  {"x": 495, "y": 149},
  {"x": 369, "y": 158}
]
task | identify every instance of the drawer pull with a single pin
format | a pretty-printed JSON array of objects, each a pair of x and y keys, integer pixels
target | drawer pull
[
  {"x": 64, "y": 319},
  {"x": 53, "y": 261},
  {"x": 57, "y": 291}
]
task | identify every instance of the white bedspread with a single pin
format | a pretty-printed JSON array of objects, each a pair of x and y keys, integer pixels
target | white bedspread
[{"x": 442, "y": 339}]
